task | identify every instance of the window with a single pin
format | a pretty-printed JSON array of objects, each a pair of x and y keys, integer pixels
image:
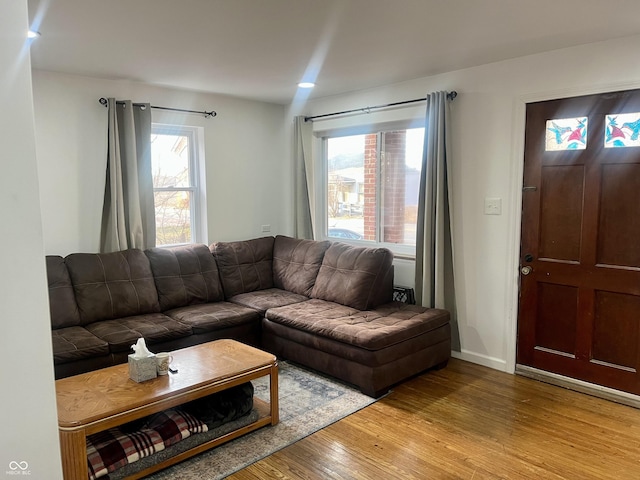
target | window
[
  {"x": 177, "y": 184},
  {"x": 372, "y": 186},
  {"x": 622, "y": 130},
  {"x": 566, "y": 134}
]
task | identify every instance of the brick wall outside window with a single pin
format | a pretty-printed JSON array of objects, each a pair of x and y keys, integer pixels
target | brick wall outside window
[
  {"x": 393, "y": 187},
  {"x": 393, "y": 168},
  {"x": 370, "y": 176}
]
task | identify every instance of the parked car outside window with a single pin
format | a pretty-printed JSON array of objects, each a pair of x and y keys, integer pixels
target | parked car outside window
[{"x": 344, "y": 233}]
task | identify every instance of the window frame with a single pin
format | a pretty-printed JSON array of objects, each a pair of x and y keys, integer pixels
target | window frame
[
  {"x": 322, "y": 205},
  {"x": 197, "y": 214}
]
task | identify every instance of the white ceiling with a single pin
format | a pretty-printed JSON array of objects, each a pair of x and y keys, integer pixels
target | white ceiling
[{"x": 260, "y": 49}]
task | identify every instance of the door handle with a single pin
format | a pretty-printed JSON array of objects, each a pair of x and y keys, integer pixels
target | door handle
[{"x": 526, "y": 270}]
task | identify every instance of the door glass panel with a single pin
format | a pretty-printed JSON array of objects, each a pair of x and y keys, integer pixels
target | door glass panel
[
  {"x": 622, "y": 130},
  {"x": 566, "y": 134}
]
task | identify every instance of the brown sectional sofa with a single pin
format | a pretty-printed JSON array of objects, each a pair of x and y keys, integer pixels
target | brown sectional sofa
[{"x": 325, "y": 305}]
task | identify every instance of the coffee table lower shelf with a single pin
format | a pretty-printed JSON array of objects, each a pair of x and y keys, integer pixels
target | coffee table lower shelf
[{"x": 264, "y": 419}]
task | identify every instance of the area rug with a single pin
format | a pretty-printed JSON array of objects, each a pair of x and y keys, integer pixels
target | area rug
[{"x": 308, "y": 401}]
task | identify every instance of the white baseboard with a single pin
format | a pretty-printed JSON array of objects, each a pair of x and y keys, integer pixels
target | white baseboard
[
  {"x": 552, "y": 378},
  {"x": 579, "y": 386},
  {"x": 484, "y": 360}
]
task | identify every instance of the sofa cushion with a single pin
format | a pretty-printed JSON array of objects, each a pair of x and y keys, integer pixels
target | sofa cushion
[
  {"x": 244, "y": 266},
  {"x": 121, "y": 333},
  {"x": 76, "y": 343},
  {"x": 62, "y": 301},
  {"x": 296, "y": 263},
  {"x": 185, "y": 275},
  {"x": 357, "y": 277},
  {"x": 209, "y": 317},
  {"x": 263, "y": 300},
  {"x": 372, "y": 330},
  {"x": 112, "y": 285}
]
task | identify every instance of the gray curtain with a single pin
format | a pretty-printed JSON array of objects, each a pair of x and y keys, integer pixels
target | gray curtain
[
  {"x": 434, "y": 253},
  {"x": 128, "y": 214},
  {"x": 303, "y": 180}
]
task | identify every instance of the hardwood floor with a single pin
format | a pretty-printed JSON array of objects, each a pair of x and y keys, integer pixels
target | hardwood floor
[{"x": 469, "y": 422}]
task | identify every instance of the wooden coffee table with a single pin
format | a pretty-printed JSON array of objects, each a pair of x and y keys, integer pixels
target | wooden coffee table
[{"x": 103, "y": 399}]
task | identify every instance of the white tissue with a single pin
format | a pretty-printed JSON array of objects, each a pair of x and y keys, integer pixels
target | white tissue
[{"x": 140, "y": 349}]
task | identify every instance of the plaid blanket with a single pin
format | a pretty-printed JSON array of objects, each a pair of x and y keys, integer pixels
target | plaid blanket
[{"x": 114, "y": 448}]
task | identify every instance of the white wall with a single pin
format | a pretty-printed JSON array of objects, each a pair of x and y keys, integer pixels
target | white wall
[
  {"x": 246, "y": 175},
  {"x": 488, "y": 130},
  {"x": 29, "y": 436}
]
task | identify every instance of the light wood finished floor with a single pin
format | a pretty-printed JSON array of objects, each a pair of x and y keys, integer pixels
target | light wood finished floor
[{"x": 469, "y": 422}]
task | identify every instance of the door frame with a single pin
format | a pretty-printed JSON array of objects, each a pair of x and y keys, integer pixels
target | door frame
[{"x": 514, "y": 222}]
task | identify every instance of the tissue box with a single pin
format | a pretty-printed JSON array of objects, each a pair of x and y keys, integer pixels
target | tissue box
[{"x": 141, "y": 369}]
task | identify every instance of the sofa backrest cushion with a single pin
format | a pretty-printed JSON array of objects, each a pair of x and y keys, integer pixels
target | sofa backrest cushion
[
  {"x": 358, "y": 277},
  {"x": 112, "y": 285},
  {"x": 296, "y": 263},
  {"x": 185, "y": 275},
  {"x": 244, "y": 266},
  {"x": 62, "y": 301}
]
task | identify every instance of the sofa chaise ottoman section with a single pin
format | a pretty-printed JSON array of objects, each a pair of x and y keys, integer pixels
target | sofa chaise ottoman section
[
  {"x": 369, "y": 330},
  {"x": 372, "y": 349}
]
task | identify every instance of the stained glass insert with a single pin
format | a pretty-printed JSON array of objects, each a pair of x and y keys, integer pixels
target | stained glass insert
[
  {"x": 622, "y": 130},
  {"x": 566, "y": 134}
]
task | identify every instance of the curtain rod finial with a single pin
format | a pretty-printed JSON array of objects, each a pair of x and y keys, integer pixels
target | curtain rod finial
[
  {"x": 451, "y": 95},
  {"x": 103, "y": 101}
]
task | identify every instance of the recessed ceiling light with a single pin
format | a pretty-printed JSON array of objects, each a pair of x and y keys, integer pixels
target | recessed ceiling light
[
  {"x": 306, "y": 84},
  {"x": 33, "y": 34}
]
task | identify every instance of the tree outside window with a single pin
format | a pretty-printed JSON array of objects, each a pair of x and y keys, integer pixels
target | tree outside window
[{"x": 173, "y": 152}]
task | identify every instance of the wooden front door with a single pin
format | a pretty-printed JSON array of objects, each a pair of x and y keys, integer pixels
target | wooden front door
[{"x": 579, "y": 310}]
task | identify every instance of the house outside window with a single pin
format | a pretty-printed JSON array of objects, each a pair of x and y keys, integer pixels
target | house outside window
[
  {"x": 178, "y": 184},
  {"x": 371, "y": 187}
]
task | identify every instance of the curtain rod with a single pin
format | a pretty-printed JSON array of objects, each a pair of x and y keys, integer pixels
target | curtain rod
[
  {"x": 212, "y": 113},
  {"x": 450, "y": 96}
]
